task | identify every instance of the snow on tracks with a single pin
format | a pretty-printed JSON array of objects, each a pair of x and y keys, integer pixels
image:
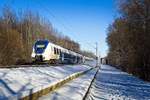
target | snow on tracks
[
  {"x": 73, "y": 90},
  {"x": 20, "y": 82},
  {"x": 113, "y": 84}
]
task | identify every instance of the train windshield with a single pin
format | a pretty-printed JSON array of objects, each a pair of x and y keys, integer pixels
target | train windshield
[{"x": 40, "y": 46}]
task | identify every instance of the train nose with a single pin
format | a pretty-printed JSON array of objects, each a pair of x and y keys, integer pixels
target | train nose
[{"x": 39, "y": 57}]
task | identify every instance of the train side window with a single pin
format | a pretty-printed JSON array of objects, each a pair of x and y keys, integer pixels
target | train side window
[{"x": 55, "y": 51}]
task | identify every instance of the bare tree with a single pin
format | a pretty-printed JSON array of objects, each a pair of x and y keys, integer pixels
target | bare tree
[{"x": 129, "y": 38}]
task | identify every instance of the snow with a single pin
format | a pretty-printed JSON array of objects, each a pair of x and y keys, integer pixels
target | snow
[
  {"x": 19, "y": 82},
  {"x": 110, "y": 83},
  {"x": 74, "y": 90},
  {"x": 113, "y": 84}
]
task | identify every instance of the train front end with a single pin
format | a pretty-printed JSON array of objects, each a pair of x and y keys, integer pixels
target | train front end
[{"x": 39, "y": 50}]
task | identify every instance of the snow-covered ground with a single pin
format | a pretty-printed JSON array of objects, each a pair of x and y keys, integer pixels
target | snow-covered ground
[
  {"x": 113, "y": 84},
  {"x": 74, "y": 90},
  {"x": 20, "y": 81}
]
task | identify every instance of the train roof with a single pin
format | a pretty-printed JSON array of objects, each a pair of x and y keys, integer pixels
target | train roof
[{"x": 59, "y": 47}]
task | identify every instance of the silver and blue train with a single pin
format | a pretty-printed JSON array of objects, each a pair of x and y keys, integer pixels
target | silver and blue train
[{"x": 45, "y": 51}]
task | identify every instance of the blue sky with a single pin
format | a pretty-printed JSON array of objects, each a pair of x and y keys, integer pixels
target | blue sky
[{"x": 84, "y": 21}]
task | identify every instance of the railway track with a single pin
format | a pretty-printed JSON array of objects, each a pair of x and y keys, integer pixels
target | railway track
[
  {"x": 36, "y": 65},
  {"x": 88, "y": 91},
  {"x": 32, "y": 65}
]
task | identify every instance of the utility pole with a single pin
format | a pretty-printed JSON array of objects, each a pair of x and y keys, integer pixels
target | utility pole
[
  {"x": 96, "y": 53},
  {"x": 95, "y": 46}
]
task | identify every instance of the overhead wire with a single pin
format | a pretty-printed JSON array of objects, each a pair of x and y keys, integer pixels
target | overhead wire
[
  {"x": 68, "y": 28},
  {"x": 42, "y": 6}
]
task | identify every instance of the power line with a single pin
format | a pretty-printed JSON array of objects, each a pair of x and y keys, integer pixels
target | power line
[
  {"x": 60, "y": 22},
  {"x": 42, "y": 6},
  {"x": 53, "y": 15}
]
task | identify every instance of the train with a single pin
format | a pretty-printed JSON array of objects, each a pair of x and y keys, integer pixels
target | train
[{"x": 46, "y": 51}]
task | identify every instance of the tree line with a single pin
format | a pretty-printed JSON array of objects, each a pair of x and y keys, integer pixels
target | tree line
[
  {"x": 19, "y": 31},
  {"x": 128, "y": 38}
]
